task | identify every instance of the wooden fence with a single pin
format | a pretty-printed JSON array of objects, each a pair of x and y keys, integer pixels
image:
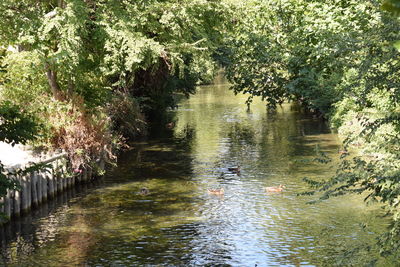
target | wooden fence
[{"x": 36, "y": 187}]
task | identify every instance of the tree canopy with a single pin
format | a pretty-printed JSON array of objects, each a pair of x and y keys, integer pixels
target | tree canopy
[{"x": 98, "y": 58}]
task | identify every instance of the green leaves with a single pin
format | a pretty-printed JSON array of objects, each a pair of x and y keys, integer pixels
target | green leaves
[
  {"x": 90, "y": 48},
  {"x": 86, "y": 54},
  {"x": 397, "y": 45},
  {"x": 16, "y": 127},
  {"x": 392, "y": 6}
]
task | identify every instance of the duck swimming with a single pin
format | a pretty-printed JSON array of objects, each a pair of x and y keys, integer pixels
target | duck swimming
[
  {"x": 219, "y": 191},
  {"x": 234, "y": 169},
  {"x": 144, "y": 191},
  {"x": 170, "y": 125},
  {"x": 275, "y": 188}
]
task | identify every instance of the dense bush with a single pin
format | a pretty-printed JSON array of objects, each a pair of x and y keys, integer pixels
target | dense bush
[{"x": 16, "y": 126}]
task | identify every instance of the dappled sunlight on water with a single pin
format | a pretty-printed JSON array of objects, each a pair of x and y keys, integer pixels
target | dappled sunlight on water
[{"x": 179, "y": 223}]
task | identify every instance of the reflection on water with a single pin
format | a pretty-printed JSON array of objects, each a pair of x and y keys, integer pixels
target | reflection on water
[{"x": 178, "y": 223}]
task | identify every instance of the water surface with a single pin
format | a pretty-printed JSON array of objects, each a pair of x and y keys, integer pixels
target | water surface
[{"x": 179, "y": 224}]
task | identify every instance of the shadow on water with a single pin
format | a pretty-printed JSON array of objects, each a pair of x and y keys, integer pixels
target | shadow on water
[
  {"x": 24, "y": 235},
  {"x": 165, "y": 155},
  {"x": 177, "y": 223}
]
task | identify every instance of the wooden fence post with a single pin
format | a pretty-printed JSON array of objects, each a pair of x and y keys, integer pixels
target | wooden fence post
[
  {"x": 58, "y": 178},
  {"x": 7, "y": 204},
  {"x": 59, "y": 184},
  {"x": 37, "y": 186},
  {"x": 102, "y": 162},
  {"x": 54, "y": 178},
  {"x": 64, "y": 183},
  {"x": 17, "y": 199},
  {"x": 69, "y": 182},
  {"x": 44, "y": 186},
  {"x": 28, "y": 190},
  {"x": 24, "y": 194},
  {"x": 50, "y": 181},
  {"x": 2, "y": 204},
  {"x": 84, "y": 174},
  {"x": 90, "y": 174},
  {"x": 39, "y": 180},
  {"x": 34, "y": 189}
]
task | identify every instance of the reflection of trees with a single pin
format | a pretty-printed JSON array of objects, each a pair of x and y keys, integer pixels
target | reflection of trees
[
  {"x": 22, "y": 237},
  {"x": 143, "y": 225},
  {"x": 79, "y": 239},
  {"x": 291, "y": 135},
  {"x": 163, "y": 158},
  {"x": 176, "y": 246},
  {"x": 322, "y": 239},
  {"x": 241, "y": 134}
]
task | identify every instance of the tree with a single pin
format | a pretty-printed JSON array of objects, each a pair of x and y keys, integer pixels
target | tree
[{"x": 88, "y": 55}]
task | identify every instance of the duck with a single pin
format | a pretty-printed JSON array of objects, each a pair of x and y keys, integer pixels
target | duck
[
  {"x": 275, "y": 188},
  {"x": 144, "y": 191},
  {"x": 219, "y": 191},
  {"x": 234, "y": 169},
  {"x": 170, "y": 125}
]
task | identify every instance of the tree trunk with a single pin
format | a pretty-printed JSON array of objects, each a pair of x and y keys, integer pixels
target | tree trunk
[
  {"x": 71, "y": 88},
  {"x": 62, "y": 4},
  {"x": 52, "y": 79}
]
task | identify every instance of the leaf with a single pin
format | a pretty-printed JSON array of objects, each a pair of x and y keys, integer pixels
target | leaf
[
  {"x": 392, "y": 6},
  {"x": 397, "y": 45}
]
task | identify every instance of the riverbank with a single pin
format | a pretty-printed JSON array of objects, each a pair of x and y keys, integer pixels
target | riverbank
[{"x": 39, "y": 178}]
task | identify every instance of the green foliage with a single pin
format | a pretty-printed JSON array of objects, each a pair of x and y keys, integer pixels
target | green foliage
[
  {"x": 304, "y": 50},
  {"x": 16, "y": 127},
  {"x": 254, "y": 53},
  {"x": 6, "y": 182},
  {"x": 392, "y": 6},
  {"x": 22, "y": 81},
  {"x": 105, "y": 45},
  {"x": 86, "y": 54},
  {"x": 169, "y": 45}
]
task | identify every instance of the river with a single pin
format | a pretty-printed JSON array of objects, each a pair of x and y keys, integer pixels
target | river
[{"x": 178, "y": 223}]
